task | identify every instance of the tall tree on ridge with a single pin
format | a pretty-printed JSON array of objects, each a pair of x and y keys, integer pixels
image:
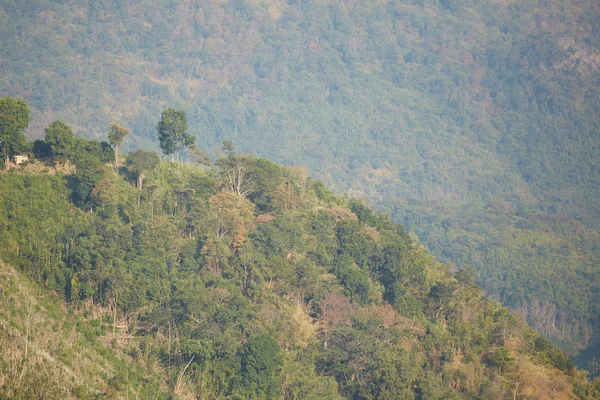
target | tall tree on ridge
[
  {"x": 14, "y": 118},
  {"x": 172, "y": 132},
  {"x": 61, "y": 139},
  {"x": 116, "y": 134}
]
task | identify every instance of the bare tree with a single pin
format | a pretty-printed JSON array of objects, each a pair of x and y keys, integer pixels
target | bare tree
[
  {"x": 235, "y": 172},
  {"x": 238, "y": 179}
]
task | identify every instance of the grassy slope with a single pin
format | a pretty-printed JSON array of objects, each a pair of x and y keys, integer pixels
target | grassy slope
[{"x": 46, "y": 352}]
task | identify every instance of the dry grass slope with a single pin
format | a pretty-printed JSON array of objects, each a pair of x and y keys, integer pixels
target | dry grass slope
[{"x": 42, "y": 354}]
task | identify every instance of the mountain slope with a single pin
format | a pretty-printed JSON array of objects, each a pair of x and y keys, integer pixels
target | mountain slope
[
  {"x": 422, "y": 107},
  {"x": 290, "y": 292}
]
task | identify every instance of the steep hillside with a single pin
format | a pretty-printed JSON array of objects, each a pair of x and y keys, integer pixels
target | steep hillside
[
  {"x": 420, "y": 107},
  {"x": 280, "y": 291},
  {"x": 49, "y": 353}
]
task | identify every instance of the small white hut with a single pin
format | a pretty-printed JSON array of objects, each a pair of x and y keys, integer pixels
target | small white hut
[{"x": 21, "y": 158}]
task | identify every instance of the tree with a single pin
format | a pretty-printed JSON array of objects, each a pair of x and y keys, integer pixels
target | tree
[
  {"x": 87, "y": 176},
  {"x": 65, "y": 146},
  {"x": 235, "y": 172},
  {"x": 229, "y": 148},
  {"x": 172, "y": 131},
  {"x": 285, "y": 199},
  {"x": 116, "y": 134},
  {"x": 355, "y": 281},
  {"x": 61, "y": 139},
  {"x": 105, "y": 192},
  {"x": 466, "y": 275},
  {"x": 14, "y": 118},
  {"x": 140, "y": 162},
  {"x": 233, "y": 215},
  {"x": 261, "y": 362},
  {"x": 237, "y": 177}
]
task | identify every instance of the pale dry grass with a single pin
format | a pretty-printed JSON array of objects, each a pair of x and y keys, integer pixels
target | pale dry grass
[
  {"x": 184, "y": 389},
  {"x": 38, "y": 167},
  {"x": 41, "y": 353},
  {"x": 469, "y": 376},
  {"x": 538, "y": 382},
  {"x": 304, "y": 328}
]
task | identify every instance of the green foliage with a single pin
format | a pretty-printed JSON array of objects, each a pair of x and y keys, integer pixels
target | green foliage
[
  {"x": 383, "y": 372},
  {"x": 327, "y": 299},
  {"x": 41, "y": 149},
  {"x": 500, "y": 358},
  {"x": 141, "y": 162},
  {"x": 561, "y": 360},
  {"x": 419, "y": 107},
  {"x": 261, "y": 362},
  {"x": 268, "y": 176},
  {"x": 49, "y": 353},
  {"x": 65, "y": 146},
  {"x": 14, "y": 118},
  {"x": 116, "y": 134},
  {"x": 60, "y": 138},
  {"x": 229, "y": 148},
  {"x": 172, "y": 131},
  {"x": 84, "y": 182},
  {"x": 91, "y": 151},
  {"x": 539, "y": 264},
  {"x": 355, "y": 281},
  {"x": 466, "y": 275}
]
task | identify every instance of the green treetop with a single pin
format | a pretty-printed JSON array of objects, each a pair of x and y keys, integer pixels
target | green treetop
[
  {"x": 116, "y": 134},
  {"x": 61, "y": 139},
  {"x": 172, "y": 131},
  {"x": 140, "y": 162}
]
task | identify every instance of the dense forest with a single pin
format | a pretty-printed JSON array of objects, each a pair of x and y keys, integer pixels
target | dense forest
[
  {"x": 243, "y": 279},
  {"x": 474, "y": 123}
]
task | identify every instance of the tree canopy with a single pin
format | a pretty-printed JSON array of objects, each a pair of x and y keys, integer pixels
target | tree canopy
[
  {"x": 140, "y": 162},
  {"x": 61, "y": 139},
  {"x": 14, "y": 118},
  {"x": 116, "y": 134},
  {"x": 172, "y": 131}
]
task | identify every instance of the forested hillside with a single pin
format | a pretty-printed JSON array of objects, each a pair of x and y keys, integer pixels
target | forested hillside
[
  {"x": 443, "y": 113},
  {"x": 242, "y": 280}
]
